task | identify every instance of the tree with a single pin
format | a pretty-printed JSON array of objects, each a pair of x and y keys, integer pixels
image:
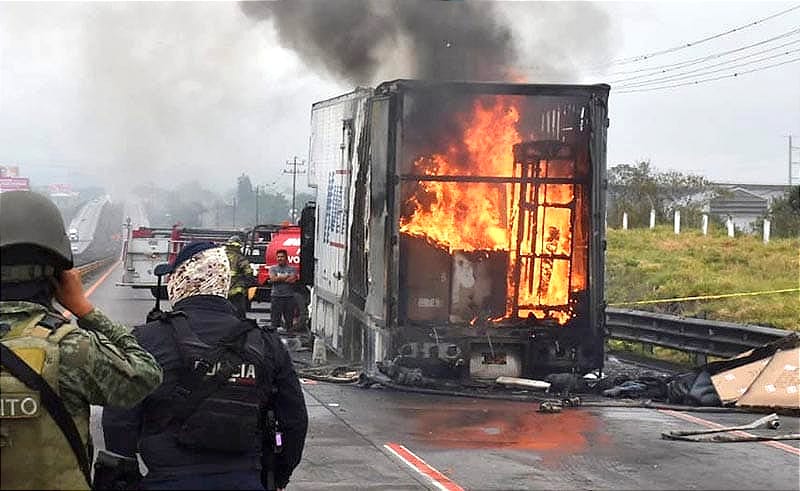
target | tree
[
  {"x": 245, "y": 201},
  {"x": 633, "y": 189},
  {"x": 185, "y": 204},
  {"x": 784, "y": 212},
  {"x": 685, "y": 192},
  {"x": 274, "y": 207},
  {"x": 638, "y": 188}
]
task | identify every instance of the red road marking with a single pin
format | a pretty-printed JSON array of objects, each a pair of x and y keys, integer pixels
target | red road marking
[
  {"x": 307, "y": 381},
  {"x": 437, "y": 478},
  {"x": 712, "y": 425},
  {"x": 92, "y": 288}
]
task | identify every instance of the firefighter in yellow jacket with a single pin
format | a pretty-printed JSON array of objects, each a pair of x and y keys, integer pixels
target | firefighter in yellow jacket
[
  {"x": 241, "y": 275},
  {"x": 53, "y": 370}
]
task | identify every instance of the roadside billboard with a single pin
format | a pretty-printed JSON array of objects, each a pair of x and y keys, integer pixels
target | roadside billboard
[
  {"x": 14, "y": 184},
  {"x": 60, "y": 190}
]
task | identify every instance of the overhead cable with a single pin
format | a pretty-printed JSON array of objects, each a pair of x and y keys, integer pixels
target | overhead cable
[
  {"x": 704, "y": 71},
  {"x": 647, "y": 56},
  {"x": 695, "y": 82},
  {"x": 695, "y": 61}
]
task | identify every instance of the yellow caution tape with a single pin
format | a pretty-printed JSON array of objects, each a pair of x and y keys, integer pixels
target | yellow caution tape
[{"x": 705, "y": 297}]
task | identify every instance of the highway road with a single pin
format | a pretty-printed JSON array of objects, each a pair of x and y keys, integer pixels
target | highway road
[
  {"x": 85, "y": 223},
  {"x": 382, "y": 439},
  {"x": 134, "y": 209}
]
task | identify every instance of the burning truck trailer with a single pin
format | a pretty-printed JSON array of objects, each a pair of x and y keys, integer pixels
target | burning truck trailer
[{"x": 459, "y": 227}]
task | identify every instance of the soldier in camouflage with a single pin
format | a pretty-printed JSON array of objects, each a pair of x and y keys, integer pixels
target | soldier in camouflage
[
  {"x": 241, "y": 275},
  {"x": 97, "y": 362}
]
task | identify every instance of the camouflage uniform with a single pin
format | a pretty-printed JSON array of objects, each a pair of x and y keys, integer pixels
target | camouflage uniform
[
  {"x": 241, "y": 277},
  {"x": 241, "y": 272},
  {"x": 100, "y": 363}
]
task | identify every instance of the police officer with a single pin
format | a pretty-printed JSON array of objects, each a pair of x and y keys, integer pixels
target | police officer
[
  {"x": 230, "y": 413},
  {"x": 241, "y": 274},
  {"x": 53, "y": 370}
]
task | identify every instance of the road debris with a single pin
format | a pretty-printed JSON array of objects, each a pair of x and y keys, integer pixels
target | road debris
[
  {"x": 732, "y": 434},
  {"x": 550, "y": 407},
  {"x": 525, "y": 383}
]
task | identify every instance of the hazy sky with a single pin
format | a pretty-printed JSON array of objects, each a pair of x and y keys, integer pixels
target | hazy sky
[{"x": 119, "y": 93}]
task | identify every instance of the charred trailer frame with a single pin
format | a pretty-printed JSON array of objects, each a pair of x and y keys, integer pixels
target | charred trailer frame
[{"x": 391, "y": 284}]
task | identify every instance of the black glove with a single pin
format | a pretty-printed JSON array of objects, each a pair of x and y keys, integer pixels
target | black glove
[
  {"x": 115, "y": 472},
  {"x": 153, "y": 315}
]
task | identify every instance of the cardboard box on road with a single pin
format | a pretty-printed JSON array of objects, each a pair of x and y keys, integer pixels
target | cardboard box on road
[
  {"x": 732, "y": 384},
  {"x": 778, "y": 384}
]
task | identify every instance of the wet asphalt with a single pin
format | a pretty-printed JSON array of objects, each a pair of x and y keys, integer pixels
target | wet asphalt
[{"x": 503, "y": 445}]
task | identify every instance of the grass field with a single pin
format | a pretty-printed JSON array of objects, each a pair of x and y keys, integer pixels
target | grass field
[{"x": 643, "y": 264}]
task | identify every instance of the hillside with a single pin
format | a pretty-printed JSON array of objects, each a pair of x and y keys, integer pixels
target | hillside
[{"x": 644, "y": 264}]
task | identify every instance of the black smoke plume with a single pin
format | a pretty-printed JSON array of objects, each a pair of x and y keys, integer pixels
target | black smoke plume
[{"x": 355, "y": 40}]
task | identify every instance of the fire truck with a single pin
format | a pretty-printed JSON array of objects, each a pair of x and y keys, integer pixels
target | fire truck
[
  {"x": 147, "y": 247},
  {"x": 261, "y": 248}
]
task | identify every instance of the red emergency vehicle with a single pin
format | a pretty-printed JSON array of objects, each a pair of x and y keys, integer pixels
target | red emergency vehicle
[{"x": 261, "y": 249}]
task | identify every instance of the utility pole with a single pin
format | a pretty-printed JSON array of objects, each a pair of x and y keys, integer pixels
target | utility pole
[
  {"x": 234, "y": 212},
  {"x": 793, "y": 163},
  {"x": 293, "y": 170},
  {"x": 257, "y": 204}
]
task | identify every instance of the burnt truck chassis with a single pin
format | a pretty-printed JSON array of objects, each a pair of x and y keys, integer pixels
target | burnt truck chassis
[{"x": 482, "y": 348}]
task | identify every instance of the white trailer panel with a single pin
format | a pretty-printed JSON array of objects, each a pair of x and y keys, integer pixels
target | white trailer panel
[{"x": 335, "y": 129}]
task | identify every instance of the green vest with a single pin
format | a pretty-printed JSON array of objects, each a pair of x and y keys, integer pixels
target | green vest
[{"x": 34, "y": 453}]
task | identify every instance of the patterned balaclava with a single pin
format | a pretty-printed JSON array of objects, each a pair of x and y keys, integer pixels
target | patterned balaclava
[{"x": 206, "y": 273}]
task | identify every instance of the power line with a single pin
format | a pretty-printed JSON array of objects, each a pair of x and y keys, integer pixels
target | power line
[
  {"x": 685, "y": 75},
  {"x": 695, "y": 61},
  {"x": 706, "y": 67},
  {"x": 647, "y": 56},
  {"x": 695, "y": 82}
]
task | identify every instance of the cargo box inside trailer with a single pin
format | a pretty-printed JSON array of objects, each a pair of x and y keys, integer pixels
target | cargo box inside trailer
[{"x": 460, "y": 226}]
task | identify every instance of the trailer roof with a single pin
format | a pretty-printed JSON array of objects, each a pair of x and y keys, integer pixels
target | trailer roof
[
  {"x": 354, "y": 94},
  {"x": 495, "y": 87}
]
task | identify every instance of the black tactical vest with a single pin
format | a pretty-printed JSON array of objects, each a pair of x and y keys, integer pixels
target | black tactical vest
[{"x": 218, "y": 395}]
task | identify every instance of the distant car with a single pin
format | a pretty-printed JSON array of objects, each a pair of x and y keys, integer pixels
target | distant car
[{"x": 73, "y": 235}]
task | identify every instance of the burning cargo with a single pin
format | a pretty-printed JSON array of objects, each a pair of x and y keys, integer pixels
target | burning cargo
[{"x": 459, "y": 226}]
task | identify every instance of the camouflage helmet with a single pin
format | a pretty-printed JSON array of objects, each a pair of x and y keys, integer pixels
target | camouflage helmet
[{"x": 30, "y": 219}]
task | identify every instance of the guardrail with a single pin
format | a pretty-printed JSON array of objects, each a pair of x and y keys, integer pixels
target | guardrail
[{"x": 700, "y": 337}]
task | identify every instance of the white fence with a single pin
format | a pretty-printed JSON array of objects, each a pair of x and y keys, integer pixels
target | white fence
[{"x": 676, "y": 223}]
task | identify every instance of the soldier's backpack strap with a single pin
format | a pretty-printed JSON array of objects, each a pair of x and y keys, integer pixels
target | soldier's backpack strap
[{"x": 54, "y": 405}]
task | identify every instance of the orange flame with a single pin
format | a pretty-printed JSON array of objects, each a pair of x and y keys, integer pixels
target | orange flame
[
  {"x": 467, "y": 217},
  {"x": 486, "y": 216}
]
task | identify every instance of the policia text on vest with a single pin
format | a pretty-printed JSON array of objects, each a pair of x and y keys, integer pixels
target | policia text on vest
[{"x": 230, "y": 408}]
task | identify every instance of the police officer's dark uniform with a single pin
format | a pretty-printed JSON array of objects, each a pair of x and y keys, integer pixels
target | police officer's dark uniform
[{"x": 219, "y": 444}]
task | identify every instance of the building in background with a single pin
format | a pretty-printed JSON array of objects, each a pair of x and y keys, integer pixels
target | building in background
[{"x": 745, "y": 203}]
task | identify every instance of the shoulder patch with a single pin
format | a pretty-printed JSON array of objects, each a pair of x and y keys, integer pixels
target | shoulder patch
[{"x": 33, "y": 357}]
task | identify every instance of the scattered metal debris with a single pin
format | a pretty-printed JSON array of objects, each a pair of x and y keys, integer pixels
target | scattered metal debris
[
  {"x": 524, "y": 383},
  {"x": 721, "y": 435},
  {"x": 550, "y": 407}
]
